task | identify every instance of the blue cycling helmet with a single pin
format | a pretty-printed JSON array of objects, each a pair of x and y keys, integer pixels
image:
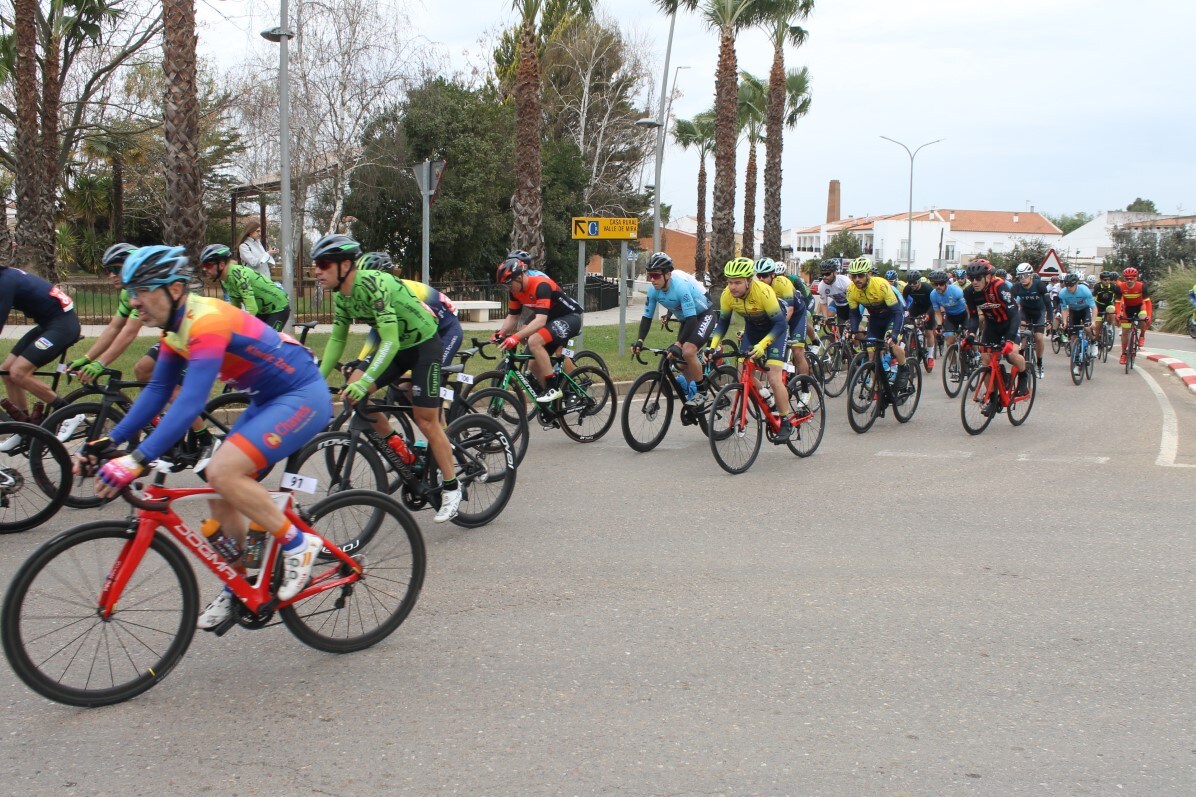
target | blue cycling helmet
[
  {"x": 155, "y": 266},
  {"x": 890, "y": 275}
]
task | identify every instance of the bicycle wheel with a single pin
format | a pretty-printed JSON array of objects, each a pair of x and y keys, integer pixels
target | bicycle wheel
[
  {"x": 647, "y": 411},
  {"x": 805, "y": 398},
  {"x": 337, "y": 462},
  {"x": 735, "y": 429},
  {"x": 35, "y": 476},
  {"x": 1077, "y": 365},
  {"x": 59, "y": 646},
  {"x": 1020, "y": 408},
  {"x": 952, "y": 371},
  {"x": 1056, "y": 342},
  {"x": 908, "y": 398},
  {"x": 225, "y": 410},
  {"x": 74, "y": 425},
  {"x": 1089, "y": 363},
  {"x": 862, "y": 403},
  {"x": 1192, "y": 327},
  {"x": 589, "y": 359},
  {"x": 722, "y": 376},
  {"x": 1132, "y": 352},
  {"x": 588, "y": 408},
  {"x": 974, "y": 409},
  {"x": 485, "y": 467},
  {"x": 360, "y": 614},
  {"x": 504, "y": 407},
  {"x": 836, "y": 370}
]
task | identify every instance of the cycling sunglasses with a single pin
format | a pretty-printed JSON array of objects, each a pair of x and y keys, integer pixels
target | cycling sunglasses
[{"x": 321, "y": 265}]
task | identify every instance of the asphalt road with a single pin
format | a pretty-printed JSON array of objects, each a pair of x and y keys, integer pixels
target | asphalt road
[{"x": 913, "y": 611}]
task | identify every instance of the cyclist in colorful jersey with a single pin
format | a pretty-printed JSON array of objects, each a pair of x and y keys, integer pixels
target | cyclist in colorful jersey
[
  {"x": 1034, "y": 301},
  {"x": 556, "y": 318},
  {"x": 246, "y": 287},
  {"x": 289, "y": 405},
  {"x": 1078, "y": 302},
  {"x": 885, "y": 312},
  {"x": 961, "y": 278},
  {"x": 918, "y": 307},
  {"x": 56, "y": 328},
  {"x": 946, "y": 300},
  {"x": 990, "y": 301},
  {"x": 448, "y": 326},
  {"x": 1135, "y": 305},
  {"x": 774, "y": 275},
  {"x": 683, "y": 299},
  {"x": 764, "y": 330},
  {"x": 832, "y": 291},
  {"x": 121, "y": 330},
  {"x": 407, "y": 342}
]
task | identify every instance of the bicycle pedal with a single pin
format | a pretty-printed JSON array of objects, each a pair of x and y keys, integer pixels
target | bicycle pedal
[{"x": 225, "y": 625}]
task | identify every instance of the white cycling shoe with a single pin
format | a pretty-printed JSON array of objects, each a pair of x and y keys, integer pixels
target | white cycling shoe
[{"x": 296, "y": 567}]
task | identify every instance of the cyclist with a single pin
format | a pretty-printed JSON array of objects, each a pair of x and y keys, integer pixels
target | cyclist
[
  {"x": 950, "y": 310},
  {"x": 556, "y": 318},
  {"x": 407, "y": 342},
  {"x": 1078, "y": 302},
  {"x": 1135, "y": 304},
  {"x": 990, "y": 300},
  {"x": 894, "y": 279},
  {"x": 56, "y": 328},
  {"x": 121, "y": 330},
  {"x": 1034, "y": 301},
  {"x": 683, "y": 299},
  {"x": 1056, "y": 311},
  {"x": 885, "y": 312},
  {"x": 289, "y": 406},
  {"x": 919, "y": 309},
  {"x": 1107, "y": 294},
  {"x": 794, "y": 305},
  {"x": 832, "y": 291},
  {"x": 961, "y": 278},
  {"x": 1092, "y": 280},
  {"x": 245, "y": 287},
  {"x": 764, "y": 328},
  {"x": 448, "y": 326}
]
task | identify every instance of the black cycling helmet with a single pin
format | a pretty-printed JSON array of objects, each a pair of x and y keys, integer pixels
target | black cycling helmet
[
  {"x": 336, "y": 248},
  {"x": 980, "y": 268},
  {"x": 913, "y": 276},
  {"x": 114, "y": 257},
  {"x": 659, "y": 261},
  {"x": 376, "y": 261},
  {"x": 509, "y": 269},
  {"x": 1002, "y": 273},
  {"x": 828, "y": 267},
  {"x": 1071, "y": 279},
  {"x": 1108, "y": 275},
  {"x": 214, "y": 253},
  {"x": 939, "y": 277}
]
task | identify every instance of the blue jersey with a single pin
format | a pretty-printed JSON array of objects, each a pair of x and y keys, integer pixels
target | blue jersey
[
  {"x": 1077, "y": 301},
  {"x": 950, "y": 301},
  {"x": 682, "y": 298}
]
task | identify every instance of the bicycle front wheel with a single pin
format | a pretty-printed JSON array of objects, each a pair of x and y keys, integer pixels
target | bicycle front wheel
[
  {"x": 805, "y": 399},
  {"x": 908, "y": 397},
  {"x": 62, "y": 649},
  {"x": 588, "y": 408},
  {"x": 1020, "y": 407},
  {"x": 504, "y": 407},
  {"x": 735, "y": 429},
  {"x": 364, "y": 612},
  {"x": 1077, "y": 366},
  {"x": 1089, "y": 364},
  {"x": 35, "y": 476},
  {"x": 836, "y": 370},
  {"x": 647, "y": 411},
  {"x": 975, "y": 410},
  {"x": 862, "y": 403},
  {"x": 485, "y": 465}
]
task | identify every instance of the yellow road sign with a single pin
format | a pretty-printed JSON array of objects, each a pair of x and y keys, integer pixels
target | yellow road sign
[{"x": 586, "y": 228}]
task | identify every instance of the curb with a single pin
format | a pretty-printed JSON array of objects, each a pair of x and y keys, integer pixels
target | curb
[{"x": 1185, "y": 372}]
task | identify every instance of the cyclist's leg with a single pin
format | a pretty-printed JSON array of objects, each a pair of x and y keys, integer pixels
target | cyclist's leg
[
  {"x": 544, "y": 342},
  {"x": 276, "y": 321},
  {"x": 694, "y": 333},
  {"x": 797, "y": 334},
  {"x": 39, "y": 346}
]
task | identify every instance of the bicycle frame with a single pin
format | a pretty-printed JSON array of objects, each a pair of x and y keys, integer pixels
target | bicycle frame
[
  {"x": 747, "y": 378},
  {"x": 154, "y": 512}
]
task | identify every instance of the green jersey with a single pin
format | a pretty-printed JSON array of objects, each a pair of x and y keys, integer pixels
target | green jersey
[
  {"x": 123, "y": 308},
  {"x": 799, "y": 285},
  {"x": 251, "y": 291}
]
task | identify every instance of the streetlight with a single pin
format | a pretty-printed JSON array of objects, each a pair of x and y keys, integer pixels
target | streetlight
[
  {"x": 909, "y": 261},
  {"x": 661, "y": 123},
  {"x": 280, "y": 36}
]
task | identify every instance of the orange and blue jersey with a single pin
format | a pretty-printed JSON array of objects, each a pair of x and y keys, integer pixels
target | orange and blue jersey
[{"x": 209, "y": 340}]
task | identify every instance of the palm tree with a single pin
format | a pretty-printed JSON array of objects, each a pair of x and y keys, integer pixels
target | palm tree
[
  {"x": 779, "y": 24},
  {"x": 527, "y": 203},
  {"x": 753, "y": 95},
  {"x": 35, "y": 219},
  {"x": 699, "y": 134},
  {"x": 184, "y": 223}
]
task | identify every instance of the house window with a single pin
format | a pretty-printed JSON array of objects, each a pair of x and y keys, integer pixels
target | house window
[
  {"x": 949, "y": 252},
  {"x": 904, "y": 249}
]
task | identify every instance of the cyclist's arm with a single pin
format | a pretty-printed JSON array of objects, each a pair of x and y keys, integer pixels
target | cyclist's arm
[
  {"x": 110, "y": 334},
  {"x": 153, "y": 397},
  {"x": 539, "y": 311},
  {"x": 128, "y": 333},
  {"x": 189, "y": 403},
  {"x": 248, "y": 298},
  {"x": 335, "y": 348},
  {"x": 367, "y": 348},
  {"x": 645, "y": 326},
  {"x": 388, "y": 347}
]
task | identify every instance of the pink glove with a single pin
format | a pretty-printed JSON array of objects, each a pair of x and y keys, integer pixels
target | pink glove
[
  {"x": 511, "y": 342},
  {"x": 118, "y": 473}
]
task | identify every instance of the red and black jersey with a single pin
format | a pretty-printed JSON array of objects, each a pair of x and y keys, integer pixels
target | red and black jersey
[
  {"x": 998, "y": 293},
  {"x": 544, "y": 296}
]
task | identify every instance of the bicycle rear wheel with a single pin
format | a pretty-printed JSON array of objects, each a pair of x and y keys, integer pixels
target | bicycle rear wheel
[
  {"x": 338, "y": 463},
  {"x": 590, "y": 359},
  {"x": 908, "y": 398},
  {"x": 836, "y": 370},
  {"x": 975, "y": 410},
  {"x": 485, "y": 465},
  {"x": 362, "y": 613},
  {"x": 35, "y": 476},
  {"x": 1056, "y": 342},
  {"x": 504, "y": 407},
  {"x": 62, "y": 649},
  {"x": 1020, "y": 408},
  {"x": 805, "y": 398},
  {"x": 647, "y": 412},
  {"x": 74, "y": 425},
  {"x": 588, "y": 408},
  {"x": 862, "y": 403},
  {"x": 735, "y": 430}
]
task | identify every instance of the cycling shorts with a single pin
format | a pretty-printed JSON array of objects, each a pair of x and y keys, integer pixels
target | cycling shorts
[
  {"x": 451, "y": 337},
  {"x": 1136, "y": 313},
  {"x": 275, "y": 321},
  {"x": 558, "y": 331},
  {"x": 996, "y": 333},
  {"x": 797, "y": 325},
  {"x": 954, "y": 321},
  {"x": 885, "y": 324},
  {"x": 423, "y": 361},
  {"x": 1035, "y": 319},
  {"x": 278, "y": 427},
  {"x": 46, "y": 341},
  {"x": 1082, "y": 315},
  {"x": 773, "y": 355},
  {"x": 697, "y": 329},
  {"x": 842, "y": 312}
]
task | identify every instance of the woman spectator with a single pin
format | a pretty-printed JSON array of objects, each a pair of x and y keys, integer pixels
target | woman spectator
[{"x": 252, "y": 253}]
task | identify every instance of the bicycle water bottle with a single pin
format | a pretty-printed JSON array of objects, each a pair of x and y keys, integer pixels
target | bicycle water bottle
[
  {"x": 223, "y": 544},
  {"x": 683, "y": 383},
  {"x": 766, "y": 394},
  {"x": 421, "y": 456},
  {"x": 255, "y": 542},
  {"x": 399, "y": 446},
  {"x": 889, "y": 366}
]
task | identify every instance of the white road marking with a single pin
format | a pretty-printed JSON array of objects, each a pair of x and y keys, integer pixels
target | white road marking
[
  {"x": 1169, "y": 441},
  {"x": 922, "y": 455},
  {"x": 1063, "y": 460}
]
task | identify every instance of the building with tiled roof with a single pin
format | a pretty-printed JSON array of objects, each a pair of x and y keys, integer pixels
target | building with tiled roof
[{"x": 1091, "y": 242}]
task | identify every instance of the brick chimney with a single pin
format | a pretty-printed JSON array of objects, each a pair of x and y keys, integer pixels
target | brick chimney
[{"x": 832, "y": 202}]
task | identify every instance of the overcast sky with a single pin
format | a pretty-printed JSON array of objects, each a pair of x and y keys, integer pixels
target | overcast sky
[{"x": 1066, "y": 105}]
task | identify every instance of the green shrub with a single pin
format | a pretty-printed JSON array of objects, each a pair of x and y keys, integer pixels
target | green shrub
[{"x": 1173, "y": 289}]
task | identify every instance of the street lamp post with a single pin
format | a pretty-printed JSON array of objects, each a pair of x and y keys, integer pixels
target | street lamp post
[
  {"x": 661, "y": 125},
  {"x": 281, "y": 35},
  {"x": 909, "y": 261}
]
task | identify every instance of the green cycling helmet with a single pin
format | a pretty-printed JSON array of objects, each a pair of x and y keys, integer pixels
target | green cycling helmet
[
  {"x": 861, "y": 265},
  {"x": 739, "y": 267}
]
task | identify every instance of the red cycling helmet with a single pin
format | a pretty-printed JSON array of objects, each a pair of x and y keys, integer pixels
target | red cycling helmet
[
  {"x": 1130, "y": 273},
  {"x": 509, "y": 269}
]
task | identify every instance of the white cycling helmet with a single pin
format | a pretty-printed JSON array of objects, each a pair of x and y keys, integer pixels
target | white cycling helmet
[
  {"x": 1092, "y": 279},
  {"x": 1023, "y": 269}
]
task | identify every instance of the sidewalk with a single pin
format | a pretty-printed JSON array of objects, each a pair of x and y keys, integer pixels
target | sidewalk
[{"x": 1181, "y": 363}]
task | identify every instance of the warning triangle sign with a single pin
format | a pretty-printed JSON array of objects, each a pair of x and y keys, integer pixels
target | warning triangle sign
[{"x": 1051, "y": 265}]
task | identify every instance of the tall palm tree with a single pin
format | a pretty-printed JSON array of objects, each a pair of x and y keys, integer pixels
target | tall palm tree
[
  {"x": 753, "y": 96},
  {"x": 780, "y": 25},
  {"x": 35, "y": 219},
  {"x": 527, "y": 203},
  {"x": 698, "y": 133},
  {"x": 184, "y": 223}
]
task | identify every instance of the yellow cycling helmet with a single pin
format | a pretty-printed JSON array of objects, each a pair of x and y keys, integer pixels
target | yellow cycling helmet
[
  {"x": 861, "y": 265},
  {"x": 739, "y": 267}
]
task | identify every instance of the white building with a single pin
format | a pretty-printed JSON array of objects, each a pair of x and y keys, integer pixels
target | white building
[
  {"x": 1093, "y": 241},
  {"x": 941, "y": 237}
]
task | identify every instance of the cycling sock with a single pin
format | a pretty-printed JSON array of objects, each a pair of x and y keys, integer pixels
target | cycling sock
[
  {"x": 58, "y": 403},
  {"x": 451, "y": 484},
  {"x": 290, "y": 537},
  {"x": 204, "y": 436}
]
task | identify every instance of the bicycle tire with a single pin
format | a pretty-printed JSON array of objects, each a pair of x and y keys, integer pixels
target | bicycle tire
[
  {"x": 394, "y": 561},
  {"x": 1192, "y": 328},
  {"x": 225, "y": 410},
  {"x": 1019, "y": 409},
  {"x": 1132, "y": 350},
  {"x": 1089, "y": 364},
  {"x": 837, "y": 371},
  {"x": 338, "y": 465},
  {"x": 77, "y": 630},
  {"x": 905, "y": 406},
  {"x": 495, "y": 378},
  {"x": 48, "y": 481},
  {"x": 61, "y": 424},
  {"x": 808, "y": 434},
  {"x": 1077, "y": 366},
  {"x": 645, "y": 425},
  {"x": 731, "y": 433},
  {"x": 1056, "y": 342},
  {"x": 589, "y": 392},
  {"x": 485, "y": 467},
  {"x": 504, "y": 407},
  {"x": 862, "y": 399},
  {"x": 952, "y": 371},
  {"x": 589, "y": 359},
  {"x": 975, "y": 421}
]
